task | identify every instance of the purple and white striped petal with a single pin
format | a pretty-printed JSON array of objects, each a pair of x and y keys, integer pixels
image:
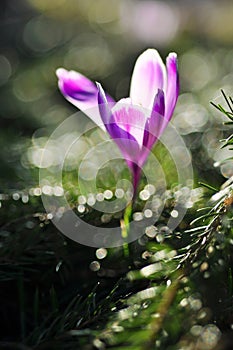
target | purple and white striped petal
[
  {"x": 148, "y": 76},
  {"x": 81, "y": 92},
  {"x": 117, "y": 124},
  {"x": 104, "y": 108},
  {"x": 154, "y": 124},
  {"x": 130, "y": 118},
  {"x": 172, "y": 90}
]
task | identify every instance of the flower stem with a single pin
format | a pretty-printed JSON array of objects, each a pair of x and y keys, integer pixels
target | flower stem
[
  {"x": 136, "y": 179},
  {"x": 125, "y": 227}
]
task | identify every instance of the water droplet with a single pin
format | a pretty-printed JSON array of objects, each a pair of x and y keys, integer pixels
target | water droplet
[
  {"x": 82, "y": 199},
  {"x": 144, "y": 195},
  {"x": 196, "y": 330},
  {"x": 151, "y": 231},
  {"x": 91, "y": 200},
  {"x": 16, "y": 196},
  {"x": 206, "y": 275},
  {"x": 49, "y": 216},
  {"x": 47, "y": 190},
  {"x": 119, "y": 193},
  {"x": 108, "y": 194},
  {"x": 202, "y": 314},
  {"x": 160, "y": 237},
  {"x": 101, "y": 253},
  {"x": 30, "y": 224},
  {"x": 25, "y": 198},
  {"x": 174, "y": 213},
  {"x": 156, "y": 203},
  {"x": 210, "y": 249},
  {"x": 100, "y": 197},
  {"x": 204, "y": 266},
  {"x": 58, "y": 191},
  {"x": 94, "y": 266},
  {"x": 128, "y": 195},
  {"x": 221, "y": 262},
  {"x": 150, "y": 188},
  {"x": 195, "y": 304},
  {"x": 137, "y": 216},
  {"x": 81, "y": 208},
  {"x": 148, "y": 213},
  {"x": 184, "y": 302},
  {"x": 169, "y": 282},
  {"x": 105, "y": 218},
  {"x": 210, "y": 336},
  {"x": 37, "y": 191}
]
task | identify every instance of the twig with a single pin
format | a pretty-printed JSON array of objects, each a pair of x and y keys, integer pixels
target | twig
[{"x": 162, "y": 311}]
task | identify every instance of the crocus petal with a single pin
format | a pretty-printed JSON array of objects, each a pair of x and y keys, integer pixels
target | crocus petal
[
  {"x": 126, "y": 143},
  {"x": 149, "y": 75},
  {"x": 130, "y": 118},
  {"x": 172, "y": 90},
  {"x": 154, "y": 124},
  {"x": 104, "y": 108},
  {"x": 81, "y": 92}
]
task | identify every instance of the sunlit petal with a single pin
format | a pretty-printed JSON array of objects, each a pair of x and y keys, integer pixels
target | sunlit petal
[
  {"x": 131, "y": 118},
  {"x": 154, "y": 124},
  {"x": 149, "y": 75},
  {"x": 81, "y": 92},
  {"x": 104, "y": 108},
  {"x": 172, "y": 90}
]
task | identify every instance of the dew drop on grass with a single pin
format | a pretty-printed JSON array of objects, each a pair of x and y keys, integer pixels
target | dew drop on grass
[
  {"x": 119, "y": 193},
  {"x": 148, "y": 213},
  {"x": 91, "y": 200},
  {"x": 37, "y": 191},
  {"x": 108, "y": 194},
  {"x": 138, "y": 216},
  {"x": 82, "y": 199},
  {"x": 150, "y": 188},
  {"x": 100, "y": 197},
  {"x": 174, "y": 213},
  {"x": 144, "y": 195},
  {"x": 81, "y": 208},
  {"x": 16, "y": 196},
  {"x": 94, "y": 266},
  {"x": 151, "y": 231},
  {"x": 101, "y": 253},
  {"x": 25, "y": 198}
]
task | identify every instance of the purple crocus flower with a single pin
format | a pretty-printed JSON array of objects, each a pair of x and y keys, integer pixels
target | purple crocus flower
[{"x": 134, "y": 123}]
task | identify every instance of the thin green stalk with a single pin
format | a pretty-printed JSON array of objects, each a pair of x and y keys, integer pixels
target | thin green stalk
[{"x": 125, "y": 227}]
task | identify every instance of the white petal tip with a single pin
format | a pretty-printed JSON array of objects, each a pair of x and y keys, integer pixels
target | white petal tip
[
  {"x": 100, "y": 89},
  {"x": 98, "y": 85},
  {"x": 60, "y": 72},
  {"x": 150, "y": 54},
  {"x": 172, "y": 55}
]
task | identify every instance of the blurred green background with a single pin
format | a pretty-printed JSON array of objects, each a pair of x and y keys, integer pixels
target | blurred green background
[
  {"x": 42, "y": 271},
  {"x": 102, "y": 40}
]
